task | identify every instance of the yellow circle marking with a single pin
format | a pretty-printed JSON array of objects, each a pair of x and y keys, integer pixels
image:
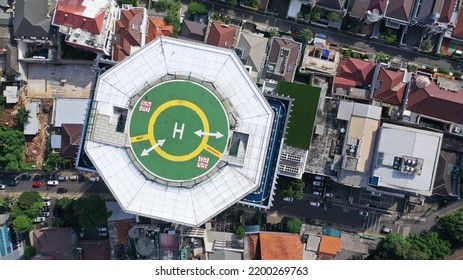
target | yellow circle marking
[{"x": 177, "y": 102}]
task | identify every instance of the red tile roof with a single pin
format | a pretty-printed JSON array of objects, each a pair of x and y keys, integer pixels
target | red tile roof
[
  {"x": 400, "y": 9},
  {"x": 221, "y": 35},
  {"x": 329, "y": 246},
  {"x": 127, "y": 36},
  {"x": 447, "y": 10},
  {"x": 71, "y": 13},
  {"x": 458, "y": 31},
  {"x": 380, "y": 5},
  {"x": 95, "y": 249},
  {"x": 340, "y": 82},
  {"x": 392, "y": 87},
  {"x": 54, "y": 242},
  {"x": 158, "y": 27},
  {"x": 357, "y": 70},
  {"x": 435, "y": 102},
  {"x": 70, "y": 138},
  {"x": 277, "y": 246}
]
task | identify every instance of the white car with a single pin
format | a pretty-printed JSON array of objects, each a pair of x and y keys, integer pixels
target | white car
[
  {"x": 317, "y": 193},
  {"x": 46, "y": 203},
  {"x": 39, "y": 219},
  {"x": 328, "y": 194},
  {"x": 314, "y": 203},
  {"x": 363, "y": 213},
  {"x": 377, "y": 194},
  {"x": 52, "y": 183},
  {"x": 2, "y": 187},
  {"x": 288, "y": 198}
]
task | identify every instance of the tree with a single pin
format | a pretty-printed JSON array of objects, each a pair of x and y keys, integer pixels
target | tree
[
  {"x": 162, "y": 5},
  {"x": 333, "y": 16},
  {"x": 426, "y": 45},
  {"x": 306, "y": 35},
  {"x": 316, "y": 13},
  {"x": 427, "y": 246},
  {"x": 274, "y": 32},
  {"x": 239, "y": 232},
  {"x": 197, "y": 8},
  {"x": 27, "y": 199},
  {"x": 452, "y": 227},
  {"x": 54, "y": 161},
  {"x": 251, "y": 3},
  {"x": 231, "y": 3},
  {"x": 382, "y": 57},
  {"x": 94, "y": 205},
  {"x": 294, "y": 225},
  {"x": 130, "y": 2},
  {"x": 395, "y": 247},
  {"x": 295, "y": 188},
  {"x": 389, "y": 35},
  {"x": 23, "y": 224},
  {"x": 22, "y": 116},
  {"x": 30, "y": 252},
  {"x": 2, "y": 99},
  {"x": 12, "y": 149}
]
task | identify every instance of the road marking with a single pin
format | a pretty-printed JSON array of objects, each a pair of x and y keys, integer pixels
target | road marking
[
  {"x": 178, "y": 130},
  {"x": 158, "y": 144},
  {"x": 139, "y": 138},
  {"x": 217, "y": 135}
]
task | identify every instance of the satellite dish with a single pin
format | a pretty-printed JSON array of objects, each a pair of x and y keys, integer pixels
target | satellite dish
[
  {"x": 145, "y": 246},
  {"x": 422, "y": 82},
  {"x": 134, "y": 233}
]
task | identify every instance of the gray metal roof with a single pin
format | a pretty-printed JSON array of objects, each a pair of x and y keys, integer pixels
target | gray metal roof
[
  {"x": 31, "y": 19},
  {"x": 70, "y": 111},
  {"x": 31, "y": 127}
]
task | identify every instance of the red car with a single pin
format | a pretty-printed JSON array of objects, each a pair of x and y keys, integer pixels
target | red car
[{"x": 36, "y": 184}]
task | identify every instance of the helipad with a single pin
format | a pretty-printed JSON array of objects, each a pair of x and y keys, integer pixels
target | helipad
[{"x": 178, "y": 130}]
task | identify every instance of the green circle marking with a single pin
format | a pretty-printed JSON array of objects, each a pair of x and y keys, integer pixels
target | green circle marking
[{"x": 178, "y": 130}]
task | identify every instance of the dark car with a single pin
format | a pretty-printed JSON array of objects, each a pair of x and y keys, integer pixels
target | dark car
[
  {"x": 61, "y": 190},
  {"x": 12, "y": 183},
  {"x": 51, "y": 177},
  {"x": 37, "y": 177},
  {"x": 25, "y": 176},
  {"x": 46, "y": 209}
]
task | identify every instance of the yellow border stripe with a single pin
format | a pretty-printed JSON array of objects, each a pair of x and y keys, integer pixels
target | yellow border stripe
[
  {"x": 139, "y": 138},
  {"x": 213, "y": 151}
]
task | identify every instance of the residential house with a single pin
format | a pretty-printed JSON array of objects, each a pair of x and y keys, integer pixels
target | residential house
[
  {"x": 32, "y": 21},
  {"x": 398, "y": 13},
  {"x": 274, "y": 246},
  {"x": 320, "y": 57},
  {"x": 332, "y": 6},
  {"x": 193, "y": 31},
  {"x": 130, "y": 32},
  {"x": 158, "y": 27},
  {"x": 71, "y": 134},
  {"x": 251, "y": 50},
  {"x": 376, "y": 10},
  {"x": 330, "y": 246},
  {"x": 87, "y": 25},
  {"x": 69, "y": 111},
  {"x": 95, "y": 249},
  {"x": 353, "y": 78},
  {"x": 282, "y": 59},
  {"x": 390, "y": 86},
  {"x": 222, "y": 35},
  {"x": 31, "y": 127},
  {"x": 440, "y": 101},
  {"x": 6, "y": 13},
  {"x": 53, "y": 243},
  {"x": 443, "y": 24}
]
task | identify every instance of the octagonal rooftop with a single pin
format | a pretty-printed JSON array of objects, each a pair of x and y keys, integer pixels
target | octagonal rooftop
[{"x": 240, "y": 167}]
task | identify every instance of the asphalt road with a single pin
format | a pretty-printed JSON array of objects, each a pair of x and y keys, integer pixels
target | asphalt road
[{"x": 334, "y": 36}]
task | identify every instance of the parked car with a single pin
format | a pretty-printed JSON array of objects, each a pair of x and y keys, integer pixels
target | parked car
[
  {"x": 2, "y": 187},
  {"x": 13, "y": 183},
  {"x": 46, "y": 203},
  {"x": 288, "y": 198},
  {"x": 73, "y": 178},
  {"x": 329, "y": 194},
  {"x": 25, "y": 176},
  {"x": 51, "y": 177},
  {"x": 36, "y": 184},
  {"x": 317, "y": 193},
  {"x": 317, "y": 183},
  {"x": 37, "y": 177},
  {"x": 320, "y": 178},
  {"x": 45, "y": 214},
  {"x": 61, "y": 190},
  {"x": 63, "y": 178},
  {"x": 314, "y": 203},
  {"x": 377, "y": 194},
  {"x": 386, "y": 230},
  {"x": 46, "y": 209},
  {"x": 39, "y": 219},
  {"x": 363, "y": 213},
  {"x": 52, "y": 183}
]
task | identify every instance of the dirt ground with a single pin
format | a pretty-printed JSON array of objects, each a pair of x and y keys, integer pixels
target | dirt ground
[{"x": 35, "y": 146}]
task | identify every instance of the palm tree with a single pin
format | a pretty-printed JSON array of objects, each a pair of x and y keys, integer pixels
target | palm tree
[{"x": 22, "y": 116}]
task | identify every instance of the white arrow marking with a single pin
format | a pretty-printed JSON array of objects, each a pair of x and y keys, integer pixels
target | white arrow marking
[
  {"x": 217, "y": 135},
  {"x": 147, "y": 151}
]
